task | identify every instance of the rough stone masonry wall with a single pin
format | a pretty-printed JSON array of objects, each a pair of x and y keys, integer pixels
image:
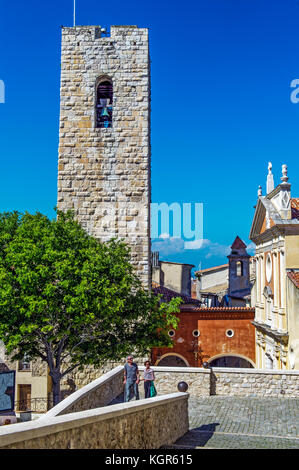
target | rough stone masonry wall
[
  {"x": 225, "y": 381},
  {"x": 78, "y": 379},
  {"x": 228, "y": 382},
  {"x": 100, "y": 392},
  {"x": 145, "y": 424},
  {"x": 254, "y": 382},
  {"x": 167, "y": 379},
  {"x": 39, "y": 368},
  {"x": 104, "y": 174}
]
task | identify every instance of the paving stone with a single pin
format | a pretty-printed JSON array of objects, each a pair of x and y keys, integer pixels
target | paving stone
[{"x": 242, "y": 423}]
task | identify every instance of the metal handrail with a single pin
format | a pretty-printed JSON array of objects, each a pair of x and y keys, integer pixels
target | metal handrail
[{"x": 38, "y": 405}]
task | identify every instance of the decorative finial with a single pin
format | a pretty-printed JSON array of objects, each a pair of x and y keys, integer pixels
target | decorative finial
[
  {"x": 284, "y": 171},
  {"x": 259, "y": 191},
  {"x": 270, "y": 179}
]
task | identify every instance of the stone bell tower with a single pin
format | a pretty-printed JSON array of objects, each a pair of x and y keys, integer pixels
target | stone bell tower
[
  {"x": 104, "y": 135},
  {"x": 239, "y": 265}
]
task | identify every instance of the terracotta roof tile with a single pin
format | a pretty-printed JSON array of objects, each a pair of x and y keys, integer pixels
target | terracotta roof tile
[
  {"x": 238, "y": 243},
  {"x": 168, "y": 294},
  {"x": 221, "y": 309},
  {"x": 295, "y": 208},
  {"x": 294, "y": 276}
]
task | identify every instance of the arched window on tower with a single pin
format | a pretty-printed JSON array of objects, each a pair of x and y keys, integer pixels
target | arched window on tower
[
  {"x": 239, "y": 269},
  {"x": 104, "y": 101}
]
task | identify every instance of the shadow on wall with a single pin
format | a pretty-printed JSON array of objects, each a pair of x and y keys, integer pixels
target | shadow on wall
[
  {"x": 67, "y": 392},
  {"x": 213, "y": 380},
  {"x": 234, "y": 362}
]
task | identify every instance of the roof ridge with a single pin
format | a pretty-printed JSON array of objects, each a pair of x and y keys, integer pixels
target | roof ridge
[
  {"x": 238, "y": 243},
  {"x": 213, "y": 267}
]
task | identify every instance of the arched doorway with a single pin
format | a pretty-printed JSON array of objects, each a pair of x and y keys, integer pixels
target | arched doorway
[
  {"x": 172, "y": 360},
  {"x": 231, "y": 361}
]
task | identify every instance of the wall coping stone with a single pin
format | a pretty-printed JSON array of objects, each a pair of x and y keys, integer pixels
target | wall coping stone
[
  {"x": 177, "y": 369},
  {"x": 236, "y": 370},
  {"x": 13, "y": 433},
  {"x": 251, "y": 371}
]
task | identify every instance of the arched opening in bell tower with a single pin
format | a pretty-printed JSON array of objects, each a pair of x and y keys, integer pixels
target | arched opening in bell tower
[{"x": 104, "y": 103}]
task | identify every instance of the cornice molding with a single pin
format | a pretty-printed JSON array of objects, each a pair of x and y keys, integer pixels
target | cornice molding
[
  {"x": 268, "y": 235},
  {"x": 259, "y": 214},
  {"x": 218, "y": 314},
  {"x": 281, "y": 337}
]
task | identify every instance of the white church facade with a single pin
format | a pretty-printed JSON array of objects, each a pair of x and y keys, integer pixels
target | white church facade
[{"x": 275, "y": 294}]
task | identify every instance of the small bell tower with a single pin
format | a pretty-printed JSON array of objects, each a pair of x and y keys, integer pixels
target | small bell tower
[{"x": 239, "y": 275}]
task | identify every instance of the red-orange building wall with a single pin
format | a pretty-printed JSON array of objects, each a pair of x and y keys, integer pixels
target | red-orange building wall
[{"x": 212, "y": 324}]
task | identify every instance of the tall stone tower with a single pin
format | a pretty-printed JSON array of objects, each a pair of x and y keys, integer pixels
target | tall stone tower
[{"x": 104, "y": 135}]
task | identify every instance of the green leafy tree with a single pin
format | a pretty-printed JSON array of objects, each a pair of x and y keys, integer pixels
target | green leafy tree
[{"x": 71, "y": 300}]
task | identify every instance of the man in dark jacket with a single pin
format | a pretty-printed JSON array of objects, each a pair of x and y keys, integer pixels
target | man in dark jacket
[{"x": 131, "y": 379}]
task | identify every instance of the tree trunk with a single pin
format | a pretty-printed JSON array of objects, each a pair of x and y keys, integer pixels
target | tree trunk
[{"x": 56, "y": 376}]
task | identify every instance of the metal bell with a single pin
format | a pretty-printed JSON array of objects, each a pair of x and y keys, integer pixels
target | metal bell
[{"x": 104, "y": 112}]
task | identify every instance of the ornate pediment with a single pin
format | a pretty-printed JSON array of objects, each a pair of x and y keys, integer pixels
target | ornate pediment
[{"x": 259, "y": 220}]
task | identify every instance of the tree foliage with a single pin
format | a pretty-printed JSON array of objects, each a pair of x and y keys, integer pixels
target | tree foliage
[{"x": 72, "y": 300}]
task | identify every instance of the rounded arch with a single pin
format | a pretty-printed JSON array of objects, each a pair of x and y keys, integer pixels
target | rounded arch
[
  {"x": 239, "y": 268},
  {"x": 174, "y": 355},
  {"x": 102, "y": 78},
  {"x": 243, "y": 360},
  {"x": 103, "y": 101}
]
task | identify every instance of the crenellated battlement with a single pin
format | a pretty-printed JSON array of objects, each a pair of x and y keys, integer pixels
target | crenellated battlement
[{"x": 93, "y": 32}]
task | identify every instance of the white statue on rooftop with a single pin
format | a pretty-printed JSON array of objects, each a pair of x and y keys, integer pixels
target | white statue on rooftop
[{"x": 270, "y": 179}]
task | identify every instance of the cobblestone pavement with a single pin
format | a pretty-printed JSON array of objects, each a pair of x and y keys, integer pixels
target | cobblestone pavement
[{"x": 242, "y": 423}]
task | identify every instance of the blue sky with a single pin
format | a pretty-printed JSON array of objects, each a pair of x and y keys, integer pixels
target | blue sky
[{"x": 211, "y": 143}]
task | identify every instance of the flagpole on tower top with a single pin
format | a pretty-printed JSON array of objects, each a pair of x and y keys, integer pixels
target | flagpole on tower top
[{"x": 74, "y": 13}]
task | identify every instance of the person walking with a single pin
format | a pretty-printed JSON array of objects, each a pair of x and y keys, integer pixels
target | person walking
[
  {"x": 131, "y": 379},
  {"x": 149, "y": 377}
]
